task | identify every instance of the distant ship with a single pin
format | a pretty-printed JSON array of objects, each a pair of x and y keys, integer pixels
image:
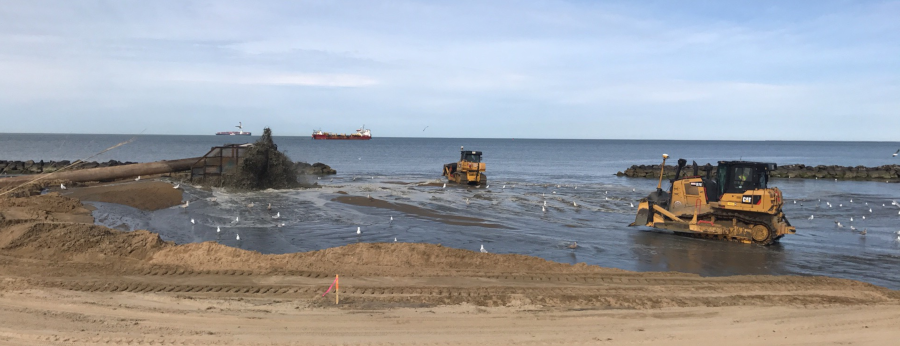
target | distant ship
[
  {"x": 362, "y": 133},
  {"x": 240, "y": 131}
]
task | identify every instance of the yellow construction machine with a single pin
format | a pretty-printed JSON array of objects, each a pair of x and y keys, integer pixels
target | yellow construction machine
[
  {"x": 469, "y": 169},
  {"x": 736, "y": 204}
]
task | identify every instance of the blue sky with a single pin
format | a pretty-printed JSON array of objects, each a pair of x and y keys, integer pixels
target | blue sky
[{"x": 757, "y": 70}]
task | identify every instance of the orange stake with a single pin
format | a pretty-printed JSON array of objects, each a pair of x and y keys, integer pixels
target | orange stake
[{"x": 337, "y": 287}]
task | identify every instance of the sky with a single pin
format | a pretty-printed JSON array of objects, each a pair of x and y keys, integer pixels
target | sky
[{"x": 718, "y": 70}]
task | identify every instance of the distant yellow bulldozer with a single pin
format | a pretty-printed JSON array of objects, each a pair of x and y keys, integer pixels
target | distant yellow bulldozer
[
  {"x": 735, "y": 205},
  {"x": 469, "y": 169}
]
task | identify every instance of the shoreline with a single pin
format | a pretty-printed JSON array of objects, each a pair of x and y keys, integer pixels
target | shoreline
[{"x": 106, "y": 275}]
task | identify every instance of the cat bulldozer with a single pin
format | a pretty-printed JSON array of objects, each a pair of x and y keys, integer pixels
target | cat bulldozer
[
  {"x": 736, "y": 204},
  {"x": 469, "y": 169}
]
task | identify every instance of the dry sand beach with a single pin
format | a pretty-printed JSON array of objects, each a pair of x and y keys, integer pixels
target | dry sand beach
[{"x": 66, "y": 281}]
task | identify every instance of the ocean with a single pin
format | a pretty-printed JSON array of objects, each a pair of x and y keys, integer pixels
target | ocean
[{"x": 522, "y": 174}]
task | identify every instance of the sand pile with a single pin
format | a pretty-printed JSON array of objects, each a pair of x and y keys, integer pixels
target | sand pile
[
  {"x": 144, "y": 195},
  {"x": 264, "y": 167},
  {"x": 74, "y": 241},
  {"x": 389, "y": 259}
]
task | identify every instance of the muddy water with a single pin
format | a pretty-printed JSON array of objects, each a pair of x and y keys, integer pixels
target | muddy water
[{"x": 312, "y": 219}]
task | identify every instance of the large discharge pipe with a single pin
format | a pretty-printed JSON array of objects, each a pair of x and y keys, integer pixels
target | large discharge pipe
[{"x": 109, "y": 173}]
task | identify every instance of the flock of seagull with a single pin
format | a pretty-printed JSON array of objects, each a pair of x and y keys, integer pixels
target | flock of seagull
[{"x": 838, "y": 224}]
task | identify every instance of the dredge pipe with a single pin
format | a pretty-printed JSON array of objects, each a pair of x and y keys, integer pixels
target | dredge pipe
[{"x": 109, "y": 173}]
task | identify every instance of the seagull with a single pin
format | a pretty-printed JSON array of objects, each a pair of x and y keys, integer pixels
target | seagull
[
  {"x": 632, "y": 190},
  {"x": 543, "y": 209},
  {"x": 176, "y": 186},
  {"x": 851, "y": 219},
  {"x": 632, "y": 204},
  {"x": 504, "y": 186},
  {"x": 192, "y": 221},
  {"x": 605, "y": 192},
  {"x": 485, "y": 251},
  {"x": 574, "y": 245},
  {"x": 218, "y": 230},
  {"x": 864, "y": 231},
  {"x": 841, "y": 205},
  {"x": 250, "y": 205},
  {"x": 870, "y": 210},
  {"x": 237, "y": 236},
  {"x": 545, "y": 203},
  {"x": 237, "y": 219},
  {"x": 864, "y": 217},
  {"x": 557, "y": 186},
  {"x": 186, "y": 204},
  {"x": 811, "y": 217},
  {"x": 423, "y": 130},
  {"x": 358, "y": 230},
  {"x": 395, "y": 239},
  {"x": 277, "y": 215},
  {"x": 445, "y": 186},
  {"x": 896, "y": 152},
  {"x": 838, "y": 223},
  {"x": 487, "y": 187},
  {"x": 138, "y": 178},
  {"x": 61, "y": 186},
  {"x": 392, "y": 218},
  {"x": 467, "y": 201},
  {"x": 851, "y": 200},
  {"x": 574, "y": 204},
  {"x": 795, "y": 202},
  {"x": 852, "y": 228},
  {"x": 554, "y": 192},
  {"x": 269, "y": 207}
]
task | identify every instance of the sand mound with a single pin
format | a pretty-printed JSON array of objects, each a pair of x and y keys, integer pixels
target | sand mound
[
  {"x": 74, "y": 241},
  {"x": 144, "y": 195},
  {"x": 50, "y": 203},
  {"x": 394, "y": 259}
]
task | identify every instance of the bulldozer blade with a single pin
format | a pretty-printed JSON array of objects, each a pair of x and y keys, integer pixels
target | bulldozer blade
[{"x": 644, "y": 216}]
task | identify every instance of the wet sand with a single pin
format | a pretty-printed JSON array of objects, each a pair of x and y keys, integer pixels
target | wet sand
[
  {"x": 66, "y": 281},
  {"x": 417, "y": 211}
]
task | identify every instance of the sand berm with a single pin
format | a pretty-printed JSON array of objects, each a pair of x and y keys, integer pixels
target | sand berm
[{"x": 66, "y": 281}]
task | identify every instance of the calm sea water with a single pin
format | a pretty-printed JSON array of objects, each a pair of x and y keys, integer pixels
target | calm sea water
[{"x": 531, "y": 170}]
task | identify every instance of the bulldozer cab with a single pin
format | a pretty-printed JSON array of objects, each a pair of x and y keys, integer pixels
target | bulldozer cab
[
  {"x": 740, "y": 176},
  {"x": 470, "y": 156}
]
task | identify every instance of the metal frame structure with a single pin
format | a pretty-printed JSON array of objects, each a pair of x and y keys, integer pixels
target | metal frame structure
[{"x": 219, "y": 162}]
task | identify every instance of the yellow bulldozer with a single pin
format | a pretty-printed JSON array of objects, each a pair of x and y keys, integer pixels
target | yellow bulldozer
[
  {"x": 736, "y": 204},
  {"x": 469, "y": 169}
]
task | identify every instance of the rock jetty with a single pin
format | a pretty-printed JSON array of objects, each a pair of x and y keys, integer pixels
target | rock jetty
[
  {"x": 317, "y": 168},
  {"x": 799, "y": 171},
  {"x": 35, "y": 167}
]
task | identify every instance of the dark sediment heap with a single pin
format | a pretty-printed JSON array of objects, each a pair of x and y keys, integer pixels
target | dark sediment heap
[
  {"x": 799, "y": 171},
  {"x": 35, "y": 167},
  {"x": 264, "y": 167}
]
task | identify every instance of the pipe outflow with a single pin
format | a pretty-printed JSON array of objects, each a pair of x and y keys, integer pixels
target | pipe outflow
[{"x": 109, "y": 173}]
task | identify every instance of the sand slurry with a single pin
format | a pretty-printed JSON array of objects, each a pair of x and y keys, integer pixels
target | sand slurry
[{"x": 65, "y": 281}]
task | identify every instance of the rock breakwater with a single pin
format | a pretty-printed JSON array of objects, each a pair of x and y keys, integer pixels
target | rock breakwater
[
  {"x": 799, "y": 171},
  {"x": 35, "y": 167}
]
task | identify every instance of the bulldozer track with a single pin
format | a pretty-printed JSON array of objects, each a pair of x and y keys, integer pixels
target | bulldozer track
[{"x": 741, "y": 217}]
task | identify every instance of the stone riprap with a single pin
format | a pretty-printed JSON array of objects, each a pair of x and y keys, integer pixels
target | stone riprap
[
  {"x": 799, "y": 171},
  {"x": 35, "y": 167}
]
